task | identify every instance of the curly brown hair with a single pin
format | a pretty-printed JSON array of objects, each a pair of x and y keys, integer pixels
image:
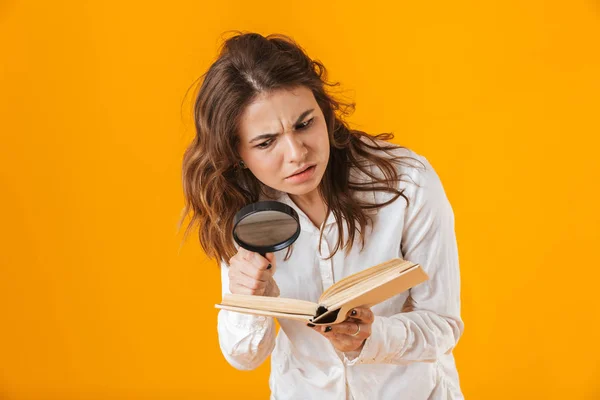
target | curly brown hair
[{"x": 215, "y": 189}]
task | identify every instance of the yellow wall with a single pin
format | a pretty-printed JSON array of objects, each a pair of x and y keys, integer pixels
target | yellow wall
[{"x": 95, "y": 300}]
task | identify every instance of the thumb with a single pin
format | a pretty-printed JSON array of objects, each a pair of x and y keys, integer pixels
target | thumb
[{"x": 271, "y": 258}]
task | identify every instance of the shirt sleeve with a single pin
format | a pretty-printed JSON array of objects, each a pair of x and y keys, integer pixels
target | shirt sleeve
[
  {"x": 245, "y": 340},
  {"x": 434, "y": 325}
]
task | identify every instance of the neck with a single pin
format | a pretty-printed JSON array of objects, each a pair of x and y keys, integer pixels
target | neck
[{"x": 312, "y": 205}]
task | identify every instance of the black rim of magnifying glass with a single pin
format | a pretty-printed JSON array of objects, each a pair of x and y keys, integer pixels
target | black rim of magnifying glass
[{"x": 266, "y": 206}]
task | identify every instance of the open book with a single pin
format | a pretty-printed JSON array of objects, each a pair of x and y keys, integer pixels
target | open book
[{"x": 362, "y": 289}]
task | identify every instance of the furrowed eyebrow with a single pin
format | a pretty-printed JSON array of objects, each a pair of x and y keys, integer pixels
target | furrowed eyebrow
[{"x": 270, "y": 135}]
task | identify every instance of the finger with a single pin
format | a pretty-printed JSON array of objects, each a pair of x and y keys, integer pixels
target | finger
[
  {"x": 252, "y": 258},
  {"x": 318, "y": 328},
  {"x": 239, "y": 289},
  {"x": 250, "y": 283},
  {"x": 340, "y": 341},
  {"x": 346, "y": 328},
  {"x": 257, "y": 273},
  {"x": 263, "y": 267},
  {"x": 271, "y": 259},
  {"x": 245, "y": 254},
  {"x": 344, "y": 342},
  {"x": 250, "y": 270},
  {"x": 241, "y": 255},
  {"x": 259, "y": 261},
  {"x": 349, "y": 330},
  {"x": 362, "y": 314}
]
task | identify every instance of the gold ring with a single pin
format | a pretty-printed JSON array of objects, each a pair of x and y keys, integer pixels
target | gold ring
[{"x": 357, "y": 331}]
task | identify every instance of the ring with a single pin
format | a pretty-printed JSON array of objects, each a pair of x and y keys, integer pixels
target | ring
[{"x": 358, "y": 330}]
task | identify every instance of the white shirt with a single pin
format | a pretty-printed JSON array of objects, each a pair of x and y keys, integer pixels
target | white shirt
[{"x": 409, "y": 354}]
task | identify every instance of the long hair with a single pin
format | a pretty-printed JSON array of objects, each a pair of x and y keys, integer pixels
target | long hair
[{"x": 215, "y": 188}]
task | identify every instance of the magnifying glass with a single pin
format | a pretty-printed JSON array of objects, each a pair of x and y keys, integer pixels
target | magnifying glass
[{"x": 266, "y": 227}]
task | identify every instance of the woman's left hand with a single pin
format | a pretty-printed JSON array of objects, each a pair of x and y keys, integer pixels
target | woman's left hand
[{"x": 351, "y": 334}]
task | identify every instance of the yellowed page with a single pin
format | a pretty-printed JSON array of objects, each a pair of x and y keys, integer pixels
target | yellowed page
[
  {"x": 296, "y": 317},
  {"x": 266, "y": 303},
  {"x": 367, "y": 296},
  {"x": 367, "y": 274}
]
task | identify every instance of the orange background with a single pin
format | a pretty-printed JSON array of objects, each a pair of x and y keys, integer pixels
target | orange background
[{"x": 97, "y": 300}]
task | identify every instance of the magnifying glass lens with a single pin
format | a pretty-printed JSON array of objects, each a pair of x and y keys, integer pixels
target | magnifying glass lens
[{"x": 266, "y": 226}]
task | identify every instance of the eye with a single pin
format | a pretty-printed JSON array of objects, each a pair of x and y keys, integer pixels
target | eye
[
  {"x": 264, "y": 144},
  {"x": 305, "y": 124}
]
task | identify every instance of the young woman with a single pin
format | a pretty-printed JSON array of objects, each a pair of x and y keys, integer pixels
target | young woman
[{"x": 266, "y": 128}]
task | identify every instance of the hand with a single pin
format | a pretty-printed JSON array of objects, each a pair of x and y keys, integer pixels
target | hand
[
  {"x": 344, "y": 336},
  {"x": 250, "y": 273}
]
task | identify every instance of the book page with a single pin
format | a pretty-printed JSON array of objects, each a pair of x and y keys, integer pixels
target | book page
[
  {"x": 351, "y": 280},
  {"x": 364, "y": 294},
  {"x": 266, "y": 303},
  {"x": 295, "y": 317}
]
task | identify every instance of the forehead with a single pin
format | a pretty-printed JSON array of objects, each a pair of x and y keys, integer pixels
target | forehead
[{"x": 271, "y": 110}]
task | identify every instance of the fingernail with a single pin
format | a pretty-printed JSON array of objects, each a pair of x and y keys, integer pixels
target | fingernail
[
  {"x": 353, "y": 312},
  {"x": 310, "y": 325},
  {"x": 269, "y": 266},
  {"x": 327, "y": 329}
]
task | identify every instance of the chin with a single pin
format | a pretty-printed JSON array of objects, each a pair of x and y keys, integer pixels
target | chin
[{"x": 301, "y": 192}]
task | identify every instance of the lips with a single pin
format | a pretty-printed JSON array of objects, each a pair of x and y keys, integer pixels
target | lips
[{"x": 301, "y": 170}]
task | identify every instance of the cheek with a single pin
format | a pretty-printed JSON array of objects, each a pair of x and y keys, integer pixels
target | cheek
[
  {"x": 266, "y": 167},
  {"x": 324, "y": 145},
  {"x": 319, "y": 140}
]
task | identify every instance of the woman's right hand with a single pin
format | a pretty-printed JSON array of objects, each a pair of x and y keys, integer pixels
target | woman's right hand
[{"x": 250, "y": 273}]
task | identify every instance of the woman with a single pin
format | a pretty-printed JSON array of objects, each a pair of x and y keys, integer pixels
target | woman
[{"x": 267, "y": 129}]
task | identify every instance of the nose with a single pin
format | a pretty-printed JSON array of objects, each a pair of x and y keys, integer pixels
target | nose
[{"x": 297, "y": 151}]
